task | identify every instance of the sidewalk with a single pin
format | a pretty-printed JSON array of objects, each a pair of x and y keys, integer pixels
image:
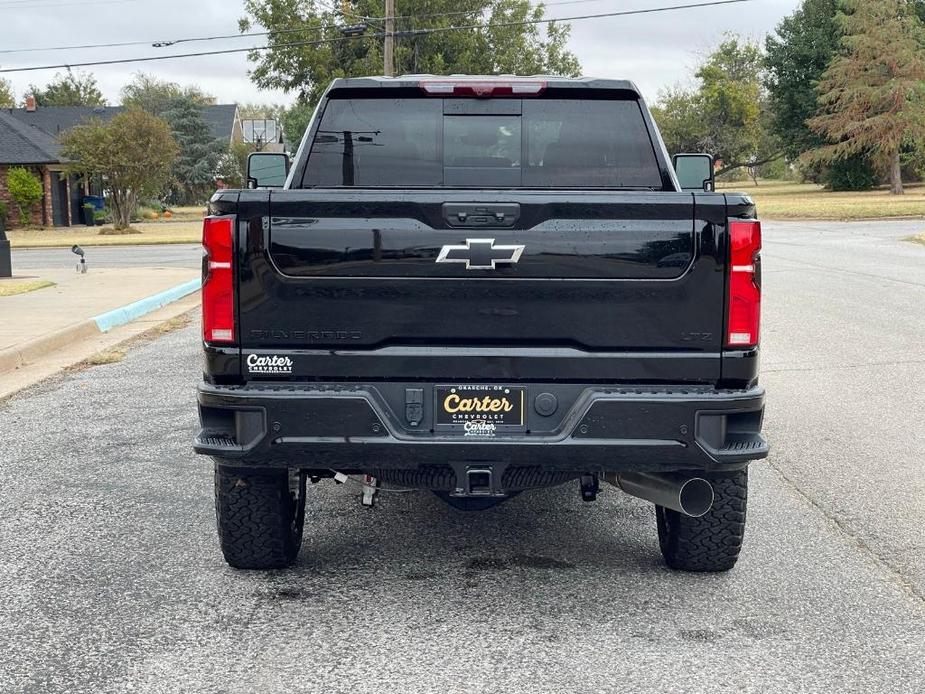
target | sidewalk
[{"x": 82, "y": 310}]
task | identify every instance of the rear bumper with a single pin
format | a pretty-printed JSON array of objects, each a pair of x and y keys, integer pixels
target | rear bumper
[{"x": 359, "y": 428}]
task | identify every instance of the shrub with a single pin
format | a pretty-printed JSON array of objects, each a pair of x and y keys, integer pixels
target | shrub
[
  {"x": 853, "y": 173},
  {"x": 25, "y": 190}
]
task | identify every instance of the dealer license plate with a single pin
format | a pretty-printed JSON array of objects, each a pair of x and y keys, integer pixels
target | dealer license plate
[{"x": 480, "y": 410}]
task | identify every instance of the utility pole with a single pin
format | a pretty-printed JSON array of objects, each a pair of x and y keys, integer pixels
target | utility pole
[{"x": 388, "y": 50}]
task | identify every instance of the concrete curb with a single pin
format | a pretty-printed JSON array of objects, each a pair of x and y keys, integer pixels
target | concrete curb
[
  {"x": 21, "y": 355},
  {"x": 18, "y": 356},
  {"x": 126, "y": 314}
]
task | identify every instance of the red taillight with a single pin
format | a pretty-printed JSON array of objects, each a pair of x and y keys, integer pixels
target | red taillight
[
  {"x": 469, "y": 87},
  {"x": 743, "y": 320},
  {"x": 217, "y": 280}
]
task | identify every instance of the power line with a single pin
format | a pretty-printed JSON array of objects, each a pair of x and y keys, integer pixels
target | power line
[
  {"x": 163, "y": 43},
  {"x": 28, "y": 4},
  {"x": 381, "y": 34}
]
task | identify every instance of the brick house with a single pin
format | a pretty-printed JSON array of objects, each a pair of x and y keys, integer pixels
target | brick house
[
  {"x": 35, "y": 150},
  {"x": 28, "y": 138}
]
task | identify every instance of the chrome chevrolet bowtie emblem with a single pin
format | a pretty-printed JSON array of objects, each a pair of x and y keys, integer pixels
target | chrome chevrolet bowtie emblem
[{"x": 480, "y": 254}]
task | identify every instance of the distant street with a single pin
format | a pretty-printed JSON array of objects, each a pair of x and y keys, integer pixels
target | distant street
[
  {"x": 112, "y": 581},
  {"x": 166, "y": 255}
]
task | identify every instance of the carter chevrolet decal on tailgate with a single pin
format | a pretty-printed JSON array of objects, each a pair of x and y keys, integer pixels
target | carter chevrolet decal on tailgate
[{"x": 270, "y": 364}]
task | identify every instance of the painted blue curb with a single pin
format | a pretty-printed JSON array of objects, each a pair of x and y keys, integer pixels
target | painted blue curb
[{"x": 126, "y": 314}]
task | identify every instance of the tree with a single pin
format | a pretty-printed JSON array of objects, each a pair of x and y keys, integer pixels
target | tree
[
  {"x": 308, "y": 69},
  {"x": 727, "y": 114},
  {"x": 796, "y": 57},
  {"x": 69, "y": 89},
  {"x": 133, "y": 152},
  {"x": 25, "y": 190},
  {"x": 232, "y": 165},
  {"x": 193, "y": 171},
  {"x": 679, "y": 120},
  {"x": 295, "y": 121},
  {"x": 733, "y": 105},
  {"x": 7, "y": 100},
  {"x": 154, "y": 95},
  {"x": 273, "y": 111},
  {"x": 872, "y": 96}
]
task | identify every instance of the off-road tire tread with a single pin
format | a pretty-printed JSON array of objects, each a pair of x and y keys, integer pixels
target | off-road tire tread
[
  {"x": 713, "y": 541},
  {"x": 255, "y": 513}
]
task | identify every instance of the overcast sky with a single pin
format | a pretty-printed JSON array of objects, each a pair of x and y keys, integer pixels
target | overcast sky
[{"x": 655, "y": 50}]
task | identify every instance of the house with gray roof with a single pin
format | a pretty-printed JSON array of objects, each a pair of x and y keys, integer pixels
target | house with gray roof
[{"x": 29, "y": 138}]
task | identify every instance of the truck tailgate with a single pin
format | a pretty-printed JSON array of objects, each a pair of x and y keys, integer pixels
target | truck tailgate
[{"x": 600, "y": 273}]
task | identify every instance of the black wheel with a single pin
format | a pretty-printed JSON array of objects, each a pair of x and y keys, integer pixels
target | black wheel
[
  {"x": 711, "y": 542},
  {"x": 472, "y": 503},
  {"x": 260, "y": 514}
]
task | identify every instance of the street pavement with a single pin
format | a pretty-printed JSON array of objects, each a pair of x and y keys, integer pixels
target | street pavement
[
  {"x": 111, "y": 579},
  {"x": 164, "y": 255}
]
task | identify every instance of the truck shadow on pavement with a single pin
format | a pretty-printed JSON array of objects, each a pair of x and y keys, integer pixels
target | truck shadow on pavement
[{"x": 415, "y": 536}]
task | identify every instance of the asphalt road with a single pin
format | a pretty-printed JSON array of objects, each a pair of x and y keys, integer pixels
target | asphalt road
[
  {"x": 111, "y": 579},
  {"x": 165, "y": 255}
]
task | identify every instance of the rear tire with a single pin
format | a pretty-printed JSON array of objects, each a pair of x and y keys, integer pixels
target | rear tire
[
  {"x": 711, "y": 542},
  {"x": 260, "y": 515}
]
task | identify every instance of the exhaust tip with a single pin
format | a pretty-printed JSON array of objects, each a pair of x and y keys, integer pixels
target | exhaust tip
[{"x": 696, "y": 497}]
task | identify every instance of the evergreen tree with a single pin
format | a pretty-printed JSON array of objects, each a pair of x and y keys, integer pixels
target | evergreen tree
[
  {"x": 200, "y": 153},
  {"x": 796, "y": 56},
  {"x": 872, "y": 96}
]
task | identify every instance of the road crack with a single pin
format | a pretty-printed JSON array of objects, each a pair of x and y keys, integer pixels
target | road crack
[{"x": 908, "y": 586}]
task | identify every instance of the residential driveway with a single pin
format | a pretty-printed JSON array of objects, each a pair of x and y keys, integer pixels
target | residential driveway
[{"x": 111, "y": 579}]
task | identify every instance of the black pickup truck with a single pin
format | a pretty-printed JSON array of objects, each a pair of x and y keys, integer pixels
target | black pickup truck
[{"x": 478, "y": 286}]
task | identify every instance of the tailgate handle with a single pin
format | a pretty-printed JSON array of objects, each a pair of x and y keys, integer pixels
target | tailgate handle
[{"x": 481, "y": 215}]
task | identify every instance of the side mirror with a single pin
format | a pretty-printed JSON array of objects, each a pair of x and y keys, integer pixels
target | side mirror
[
  {"x": 267, "y": 169},
  {"x": 695, "y": 171}
]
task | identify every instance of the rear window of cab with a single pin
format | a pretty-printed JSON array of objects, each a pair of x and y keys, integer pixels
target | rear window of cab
[{"x": 519, "y": 143}]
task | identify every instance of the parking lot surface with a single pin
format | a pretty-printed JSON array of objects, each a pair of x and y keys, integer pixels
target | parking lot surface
[{"x": 111, "y": 579}]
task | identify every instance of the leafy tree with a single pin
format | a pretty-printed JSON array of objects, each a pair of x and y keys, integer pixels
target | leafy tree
[
  {"x": 69, "y": 89},
  {"x": 232, "y": 165},
  {"x": 134, "y": 152},
  {"x": 872, "y": 96},
  {"x": 154, "y": 95},
  {"x": 796, "y": 56},
  {"x": 733, "y": 105},
  {"x": 295, "y": 121},
  {"x": 7, "y": 100},
  {"x": 261, "y": 110},
  {"x": 25, "y": 190},
  {"x": 308, "y": 69},
  {"x": 194, "y": 168},
  {"x": 727, "y": 114},
  {"x": 679, "y": 120}
]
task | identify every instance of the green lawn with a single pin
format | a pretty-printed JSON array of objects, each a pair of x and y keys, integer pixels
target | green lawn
[
  {"x": 785, "y": 200},
  {"x": 13, "y": 287},
  {"x": 151, "y": 233}
]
